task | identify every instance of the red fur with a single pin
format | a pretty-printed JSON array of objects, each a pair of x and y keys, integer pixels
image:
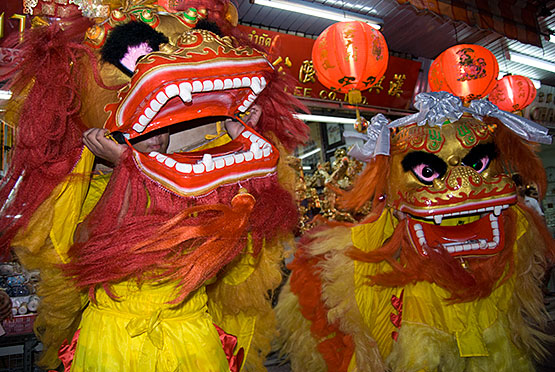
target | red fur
[
  {"x": 408, "y": 266},
  {"x": 172, "y": 237},
  {"x": 335, "y": 346},
  {"x": 278, "y": 106},
  {"x": 544, "y": 233},
  {"x": 49, "y": 129}
]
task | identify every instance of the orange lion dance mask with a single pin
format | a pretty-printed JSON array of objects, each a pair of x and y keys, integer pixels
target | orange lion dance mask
[{"x": 446, "y": 271}]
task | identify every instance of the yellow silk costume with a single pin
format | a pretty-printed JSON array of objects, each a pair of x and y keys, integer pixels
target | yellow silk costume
[
  {"x": 140, "y": 330},
  {"x": 145, "y": 333}
]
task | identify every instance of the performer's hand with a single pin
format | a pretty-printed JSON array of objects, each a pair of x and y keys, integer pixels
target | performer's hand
[
  {"x": 5, "y": 306},
  {"x": 95, "y": 139},
  {"x": 233, "y": 128}
]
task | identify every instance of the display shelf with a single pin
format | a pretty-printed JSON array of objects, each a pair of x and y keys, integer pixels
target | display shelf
[{"x": 17, "y": 353}]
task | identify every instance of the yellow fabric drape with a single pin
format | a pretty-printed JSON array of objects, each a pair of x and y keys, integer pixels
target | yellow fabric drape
[
  {"x": 423, "y": 303},
  {"x": 141, "y": 331}
]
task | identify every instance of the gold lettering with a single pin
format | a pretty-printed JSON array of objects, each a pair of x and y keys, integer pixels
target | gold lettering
[
  {"x": 396, "y": 84},
  {"x": 287, "y": 62},
  {"x": 307, "y": 92},
  {"x": 307, "y": 72},
  {"x": 298, "y": 91},
  {"x": 378, "y": 86}
]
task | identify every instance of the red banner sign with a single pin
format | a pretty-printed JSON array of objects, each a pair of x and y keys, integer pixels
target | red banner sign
[
  {"x": 12, "y": 21},
  {"x": 294, "y": 57}
]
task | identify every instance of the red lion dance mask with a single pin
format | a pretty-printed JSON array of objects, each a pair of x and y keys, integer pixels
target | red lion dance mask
[{"x": 189, "y": 217}]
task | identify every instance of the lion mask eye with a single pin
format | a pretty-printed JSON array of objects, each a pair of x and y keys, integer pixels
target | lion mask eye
[
  {"x": 480, "y": 157},
  {"x": 426, "y": 167},
  {"x": 425, "y": 173}
]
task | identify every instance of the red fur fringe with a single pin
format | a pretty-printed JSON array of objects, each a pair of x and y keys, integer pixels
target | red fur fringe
[
  {"x": 278, "y": 107},
  {"x": 48, "y": 139},
  {"x": 141, "y": 231},
  {"x": 483, "y": 275},
  {"x": 539, "y": 222},
  {"x": 335, "y": 346}
]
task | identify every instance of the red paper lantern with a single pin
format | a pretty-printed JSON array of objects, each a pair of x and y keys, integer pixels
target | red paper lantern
[
  {"x": 349, "y": 57},
  {"x": 435, "y": 77},
  {"x": 513, "y": 93},
  {"x": 466, "y": 70}
]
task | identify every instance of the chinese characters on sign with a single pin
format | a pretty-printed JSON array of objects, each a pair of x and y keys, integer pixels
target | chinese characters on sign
[{"x": 292, "y": 55}]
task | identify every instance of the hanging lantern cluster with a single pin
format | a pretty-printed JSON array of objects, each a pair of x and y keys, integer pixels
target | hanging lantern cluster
[
  {"x": 349, "y": 57},
  {"x": 466, "y": 70},
  {"x": 513, "y": 93}
]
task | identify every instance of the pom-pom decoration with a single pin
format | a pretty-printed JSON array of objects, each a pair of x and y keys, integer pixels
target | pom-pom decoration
[
  {"x": 513, "y": 93},
  {"x": 466, "y": 70},
  {"x": 349, "y": 57}
]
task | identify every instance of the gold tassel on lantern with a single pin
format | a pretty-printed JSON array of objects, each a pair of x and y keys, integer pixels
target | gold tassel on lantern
[{"x": 355, "y": 97}]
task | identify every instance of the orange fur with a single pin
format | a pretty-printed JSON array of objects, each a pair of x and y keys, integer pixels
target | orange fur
[
  {"x": 370, "y": 185},
  {"x": 519, "y": 156}
]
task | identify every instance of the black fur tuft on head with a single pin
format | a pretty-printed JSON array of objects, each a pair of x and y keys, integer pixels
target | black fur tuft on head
[
  {"x": 203, "y": 24},
  {"x": 126, "y": 35}
]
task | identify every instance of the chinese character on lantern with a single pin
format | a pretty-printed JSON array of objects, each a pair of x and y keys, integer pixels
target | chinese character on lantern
[{"x": 351, "y": 48}]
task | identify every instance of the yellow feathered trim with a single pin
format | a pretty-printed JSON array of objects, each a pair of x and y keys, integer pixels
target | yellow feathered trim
[
  {"x": 423, "y": 348},
  {"x": 286, "y": 174},
  {"x": 245, "y": 309},
  {"x": 43, "y": 246},
  {"x": 338, "y": 293},
  {"x": 527, "y": 314},
  {"x": 60, "y": 307},
  {"x": 295, "y": 339}
]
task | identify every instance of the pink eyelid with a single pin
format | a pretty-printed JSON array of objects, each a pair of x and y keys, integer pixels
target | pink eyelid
[
  {"x": 418, "y": 171},
  {"x": 485, "y": 163},
  {"x": 130, "y": 58}
]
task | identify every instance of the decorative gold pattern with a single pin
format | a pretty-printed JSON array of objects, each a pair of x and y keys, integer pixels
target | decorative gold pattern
[
  {"x": 29, "y": 5},
  {"x": 460, "y": 184}
]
